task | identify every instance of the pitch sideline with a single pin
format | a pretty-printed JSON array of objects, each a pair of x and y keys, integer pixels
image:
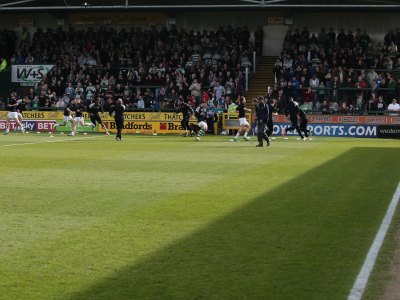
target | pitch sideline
[
  {"x": 50, "y": 141},
  {"x": 362, "y": 279}
]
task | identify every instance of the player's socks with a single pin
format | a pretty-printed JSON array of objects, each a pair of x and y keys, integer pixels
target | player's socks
[{"x": 201, "y": 133}]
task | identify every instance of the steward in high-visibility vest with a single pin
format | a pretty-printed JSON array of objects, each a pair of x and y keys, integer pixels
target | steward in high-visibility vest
[{"x": 3, "y": 65}]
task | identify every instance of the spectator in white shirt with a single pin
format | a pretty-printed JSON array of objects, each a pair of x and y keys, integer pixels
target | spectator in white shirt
[{"x": 394, "y": 108}]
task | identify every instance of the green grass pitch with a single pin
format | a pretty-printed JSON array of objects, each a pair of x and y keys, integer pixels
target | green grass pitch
[{"x": 166, "y": 217}]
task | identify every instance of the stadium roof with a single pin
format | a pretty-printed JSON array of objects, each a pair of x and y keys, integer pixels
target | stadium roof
[{"x": 29, "y": 5}]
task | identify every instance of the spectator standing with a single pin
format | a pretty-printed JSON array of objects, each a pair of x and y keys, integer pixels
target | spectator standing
[
  {"x": 360, "y": 86},
  {"x": 139, "y": 101},
  {"x": 127, "y": 94},
  {"x": 60, "y": 103},
  {"x": 219, "y": 91},
  {"x": 89, "y": 93},
  {"x": 230, "y": 88},
  {"x": 34, "y": 104},
  {"x": 314, "y": 84},
  {"x": 195, "y": 91},
  {"x": 79, "y": 91},
  {"x": 70, "y": 91},
  {"x": 360, "y": 105}
]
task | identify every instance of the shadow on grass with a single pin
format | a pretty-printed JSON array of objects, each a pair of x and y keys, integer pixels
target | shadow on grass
[{"x": 306, "y": 239}]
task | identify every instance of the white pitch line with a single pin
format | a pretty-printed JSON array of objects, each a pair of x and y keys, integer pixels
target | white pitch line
[
  {"x": 52, "y": 141},
  {"x": 362, "y": 278}
]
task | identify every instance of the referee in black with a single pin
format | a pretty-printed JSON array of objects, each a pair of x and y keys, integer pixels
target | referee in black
[
  {"x": 262, "y": 114},
  {"x": 118, "y": 112}
]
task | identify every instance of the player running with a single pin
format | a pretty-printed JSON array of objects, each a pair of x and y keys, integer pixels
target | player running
[
  {"x": 12, "y": 106},
  {"x": 187, "y": 112},
  {"x": 78, "y": 108},
  {"x": 21, "y": 107},
  {"x": 292, "y": 110},
  {"x": 94, "y": 110},
  {"x": 303, "y": 124},
  {"x": 201, "y": 115},
  {"x": 243, "y": 123},
  {"x": 67, "y": 115}
]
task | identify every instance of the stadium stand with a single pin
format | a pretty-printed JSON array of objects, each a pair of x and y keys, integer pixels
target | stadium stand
[
  {"x": 135, "y": 64},
  {"x": 341, "y": 72}
]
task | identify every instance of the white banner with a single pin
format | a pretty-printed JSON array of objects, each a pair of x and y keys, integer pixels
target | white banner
[{"x": 29, "y": 73}]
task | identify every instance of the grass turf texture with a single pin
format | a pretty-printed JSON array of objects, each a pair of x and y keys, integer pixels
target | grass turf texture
[{"x": 166, "y": 217}]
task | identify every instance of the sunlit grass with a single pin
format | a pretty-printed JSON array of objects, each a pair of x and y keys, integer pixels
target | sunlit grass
[{"x": 166, "y": 217}]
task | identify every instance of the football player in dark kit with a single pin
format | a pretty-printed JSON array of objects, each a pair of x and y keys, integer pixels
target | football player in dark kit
[
  {"x": 244, "y": 125},
  {"x": 292, "y": 110},
  {"x": 303, "y": 124},
  {"x": 94, "y": 110},
  {"x": 78, "y": 108},
  {"x": 12, "y": 106},
  {"x": 187, "y": 112},
  {"x": 117, "y": 111},
  {"x": 262, "y": 115}
]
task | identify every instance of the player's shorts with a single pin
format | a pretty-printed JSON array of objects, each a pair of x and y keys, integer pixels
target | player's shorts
[
  {"x": 203, "y": 125},
  {"x": 19, "y": 116},
  {"x": 79, "y": 120},
  {"x": 12, "y": 115},
  {"x": 95, "y": 119},
  {"x": 67, "y": 119},
  {"x": 243, "y": 121}
]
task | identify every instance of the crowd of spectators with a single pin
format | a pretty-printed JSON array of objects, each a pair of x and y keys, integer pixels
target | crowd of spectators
[
  {"x": 151, "y": 68},
  {"x": 340, "y": 72},
  {"x": 148, "y": 68}
]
